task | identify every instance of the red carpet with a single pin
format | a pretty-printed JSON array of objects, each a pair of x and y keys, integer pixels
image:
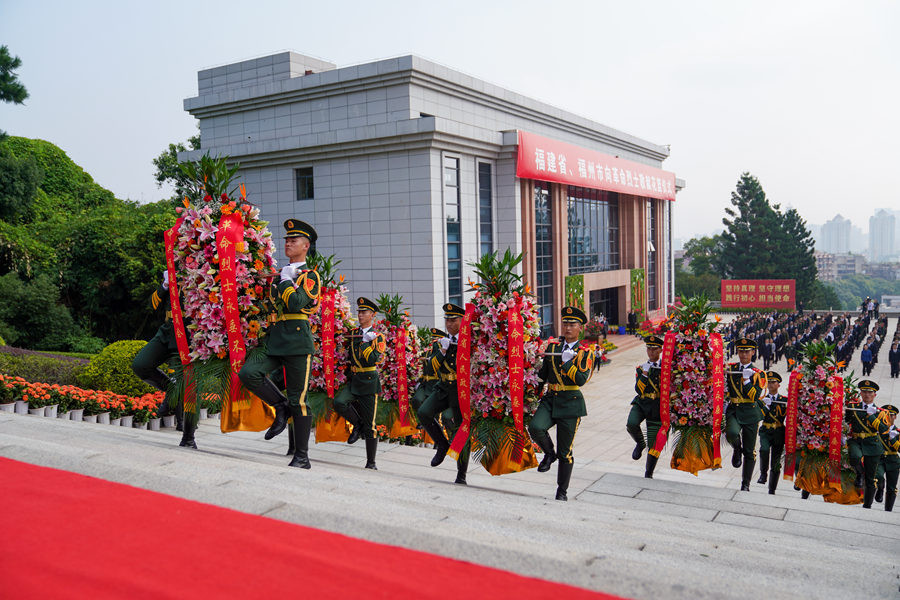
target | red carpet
[{"x": 64, "y": 535}]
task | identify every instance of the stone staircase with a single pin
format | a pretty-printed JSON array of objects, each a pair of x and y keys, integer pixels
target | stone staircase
[{"x": 670, "y": 537}]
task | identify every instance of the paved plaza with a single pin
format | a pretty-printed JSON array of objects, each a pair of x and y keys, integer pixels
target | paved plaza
[{"x": 676, "y": 536}]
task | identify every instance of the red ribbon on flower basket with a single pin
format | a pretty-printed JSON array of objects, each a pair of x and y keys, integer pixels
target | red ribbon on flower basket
[
  {"x": 328, "y": 344},
  {"x": 717, "y": 349},
  {"x": 231, "y": 233},
  {"x": 402, "y": 383},
  {"x": 516, "y": 354},
  {"x": 665, "y": 389},
  {"x": 463, "y": 383},
  {"x": 836, "y": 424},
  {"x": 190, "y": 390},
  {"x": 790, "y": 424}
]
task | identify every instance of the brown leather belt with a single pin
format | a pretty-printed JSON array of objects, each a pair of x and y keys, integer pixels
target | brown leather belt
[
  {"x": 558, "y": 387},
  {"x": 362, "y": 369}
]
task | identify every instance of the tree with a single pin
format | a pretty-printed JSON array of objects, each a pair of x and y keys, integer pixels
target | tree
[
  {"x": 797, "y": 256},
  {"x": 19, "y": 181},
  {"x": 168, "y": 169},
  {"x": 704, "y": 254},
  {"x": 11, "y": 90}
]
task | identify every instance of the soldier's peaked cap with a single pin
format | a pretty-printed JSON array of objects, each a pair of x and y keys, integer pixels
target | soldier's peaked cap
[
  {"x": 868, "y": 385},
  {"x": 890, "y": 408},
  {"x": 363, "y": 303},
  {"x": 773, "y": 376},
  {"x": 746, "y": 344},
  {"x": 653, "y": 340},
  {"x": 438, "y": 333},
  {"x": 573, "y": 314},
  {"x": 298, "y": 228},
  {"x": 451, "y": 311}
]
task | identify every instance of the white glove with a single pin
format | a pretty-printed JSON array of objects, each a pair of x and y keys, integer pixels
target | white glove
[
  {"x": 646, "y": 367},
  {"x": 768, "y": 401},
  {"x": 165, "y": 282},
  {"x": 568, "y": 355},
  {"x": 871, "y": 409},
  {"x": 445, "y": 343},
  {"x": 287, "y": 273},
  {"x": 748, "y": 373},
  {"x": 368, "y": 336},
  {"x": 893, "y": 433}
]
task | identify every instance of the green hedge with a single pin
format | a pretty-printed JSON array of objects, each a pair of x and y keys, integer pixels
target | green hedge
[
  {"x": 111, "y": 370},
  {"x": 40, "y": 367}
]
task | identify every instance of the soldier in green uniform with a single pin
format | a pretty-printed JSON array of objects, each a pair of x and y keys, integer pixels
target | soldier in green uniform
[
  {"x": 162, "y": 348},
  {"x": 771, "y": 432},
  {"x": 288, "y": 342},
  {"x": 744, "y": 389},
  {"x": 430, "y": 367},
  {"x": 358, "y": 400},
  {"x": 445, "y": 395},
  {"x": 889, "y": 467},
  {"x": 864, "y": 446},
  {"x": 645, "y": 406},
  {"x": 565, "y": 368}
]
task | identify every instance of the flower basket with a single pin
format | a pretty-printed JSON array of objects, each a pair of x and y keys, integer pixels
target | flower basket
[
  {"x": 332, "y": 429},
  {"x": 399, "y": 364},
  {"x": 502, "y": 448},
  {"x": 692, "y": 388}
]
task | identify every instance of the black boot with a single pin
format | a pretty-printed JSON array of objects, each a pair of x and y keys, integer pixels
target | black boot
[
  {"x": 737, "y": 456},
  {"x": 187, "y": 435},
  {"x": 441, "y": 445},
  {"x": 350, "y": 414},
  {"x": 879, "y": 491},
  {"x": 371, "y": 447},
  {"x": 563, "y": 475},
  {"x": 747, "y": 474},
  {"x": 291, "y": 444},
  {"x": 179, "y": 420},
  {"x": 869, "y": 494},
  {"x": 302, "y": 426},
  {"x": 159, "y": 380},
  {"x": 543, "y": 440},
  {"x": 804, "y": 494},
  {"x": 763, "y": 466},
  {"x": 889, "y": 498},
  {"x": 773, "y": 481},
  {"x": 461, "y": 474},
  {"x": 269, "y": 393},
  {"x": 639, "y": 444},
  {"x": 860, "y": 474},
  {"x": 651, "y": 465}
]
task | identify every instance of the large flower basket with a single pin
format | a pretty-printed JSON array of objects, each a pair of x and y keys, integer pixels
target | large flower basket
[
  {"x": 497, "y": 364},
  {"x": 399, "y": 370},
  {"x": 816, "y": 454},
  {"x": 220, "y": 264},
  {"x": 692, "y": 389}
]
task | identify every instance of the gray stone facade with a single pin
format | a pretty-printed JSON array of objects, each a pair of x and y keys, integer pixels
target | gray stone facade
[{"x": 375, "y": 135}]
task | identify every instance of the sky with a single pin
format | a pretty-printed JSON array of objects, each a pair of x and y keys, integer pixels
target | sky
[{"x": 803, "y": 95}]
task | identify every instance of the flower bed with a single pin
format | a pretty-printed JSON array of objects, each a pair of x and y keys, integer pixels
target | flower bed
[{"x": 69, "y": 397}]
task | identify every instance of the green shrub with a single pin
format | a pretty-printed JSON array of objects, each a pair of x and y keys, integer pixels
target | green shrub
[
  {"x": 111, "y": 370},
  {"x": 85, "y": 344},
  {"x": 40, "y": 367}
]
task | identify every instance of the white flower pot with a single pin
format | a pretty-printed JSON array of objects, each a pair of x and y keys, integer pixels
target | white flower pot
[
  {"x": 204, "y": 413},
  {"x": 153, "y": 424},
  {"x": 127, "y": 420},
  {"x": 9, "y": 407},
  {"x": 140, "y": 425},
  {"x": 168, "y": 421},
  {"x": 115, "y": 422},
  {"x": 76, "y": 414},
  {"x": 89, "y": 418},
  {"x": 39, "y": 412},
  {"x": 64, "y": 415},
  {"x": 50, "y": 411},
  {"x": 103, "y": 418},
  {"x": 21, "y": 407}
]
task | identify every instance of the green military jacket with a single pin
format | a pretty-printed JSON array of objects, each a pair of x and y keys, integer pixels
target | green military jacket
[
  {"x": 564, "y": 379},
  {"x": 444, "y": 364},
  {"x": 290, "y": 335},
  {"x": 772, "y": 424},
  {"x": 745, "y": 399},
  {"x": 891, "y": 457},
  {"x": 646, "y": 387},
  {"x": 864, "y": 428},
  {"x": 364, "y": 359},
  {"x": 166, "y": 332}
]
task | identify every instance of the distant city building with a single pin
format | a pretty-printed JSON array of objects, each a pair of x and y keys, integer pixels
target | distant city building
[
  {"x": 832, "y": 267},
  {"x": 881, "y": 236},
  {"x": 836, "y": 235},
  {"x": 825, "y": 266},
  {"x": 883, "y": 270}
]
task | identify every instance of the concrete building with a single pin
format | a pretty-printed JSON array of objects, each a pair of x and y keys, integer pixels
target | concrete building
[
  {"x": 410, "y": 170},
  {"x": 836, "y": 235},
  {"x": 825, "y": 270},
  {"x": 846, "y": 265},
  {"x": 881, "y": 236}
]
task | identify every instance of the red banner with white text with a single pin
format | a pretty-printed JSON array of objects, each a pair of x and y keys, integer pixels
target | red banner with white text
[
  {"x": 547, "y": 159},
  {"x": 759, "y": 293}
]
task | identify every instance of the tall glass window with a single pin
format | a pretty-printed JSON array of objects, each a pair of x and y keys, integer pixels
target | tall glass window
[
  {"x": 544, "y": 255},
  {"x": 485, "y": 208},
  {"x": 652, "y": 257},
  {"x": 454, "y": 239},
  {"x": 593, "y": 230}
]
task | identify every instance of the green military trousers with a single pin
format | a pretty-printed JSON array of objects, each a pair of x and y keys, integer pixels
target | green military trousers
[
  {"x": 566, "y": 428},
  {"x": 365, "y": 406},
  {"x": 296, "y": 370}
]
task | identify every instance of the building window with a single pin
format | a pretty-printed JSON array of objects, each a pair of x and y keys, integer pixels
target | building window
[
  {"x": 652, "y": 257},
  {"x": 593, "y": 230},
  {"x": 305, "y": 188},
  {"x": 485, "y": 208},
  {"x": 544, "y": 255},
  {"x": 454, "y": 239}
]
